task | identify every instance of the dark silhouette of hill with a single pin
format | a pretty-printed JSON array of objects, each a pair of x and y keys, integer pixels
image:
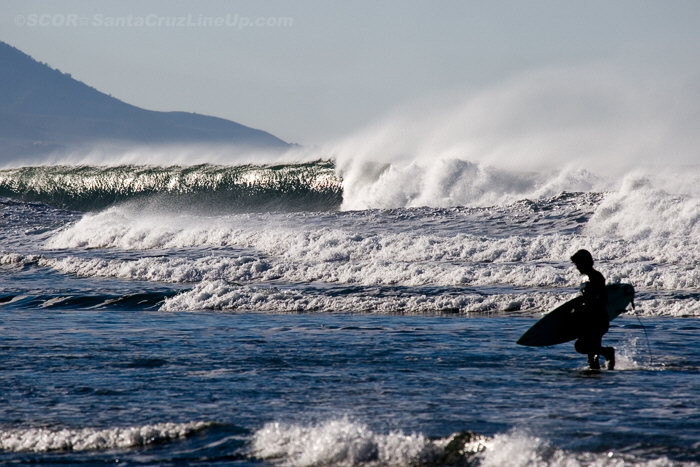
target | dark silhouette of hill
[{"x": 43, "y": 110}]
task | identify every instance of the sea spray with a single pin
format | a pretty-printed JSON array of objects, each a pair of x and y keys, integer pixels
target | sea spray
[{"x": 537, "y": 134}]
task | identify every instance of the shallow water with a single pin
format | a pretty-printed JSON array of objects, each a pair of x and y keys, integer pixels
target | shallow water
[{"x": 326, "y": 378}]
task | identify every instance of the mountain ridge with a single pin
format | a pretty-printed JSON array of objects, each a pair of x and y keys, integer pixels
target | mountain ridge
[{"x": 44, "y": 110}]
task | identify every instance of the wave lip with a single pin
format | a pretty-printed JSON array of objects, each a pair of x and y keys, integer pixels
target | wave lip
[
  {"x": 242, "y": 188},
  {"x": 89, "y": 439}
]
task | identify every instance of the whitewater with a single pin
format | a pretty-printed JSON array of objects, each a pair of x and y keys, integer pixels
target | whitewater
[{"x": 358, "y": 304}]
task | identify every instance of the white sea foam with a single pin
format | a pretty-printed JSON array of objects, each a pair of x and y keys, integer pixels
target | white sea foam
[
  {"x": 163, "y": 269},
  {"x": 18, "y": 260},
  {"x": 520, "y": 449},
  {"x": 344, "y": 443},
  {"x": 86, "y": 439},
  {"x": 216, "y": 279},
  {"x": 219, "y": 295},
  {"x": 655, "y": 261},
  {"x": 347, "y": 444},
  {"x": 662, "y": 206},
  {"x": 403, "y": 258},
  {"x": 326, "y": 269}
]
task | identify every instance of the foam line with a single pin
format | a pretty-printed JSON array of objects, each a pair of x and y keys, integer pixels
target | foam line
[
  {"x": 350, "y": 444},
  {"x": 90, "y": 439}
]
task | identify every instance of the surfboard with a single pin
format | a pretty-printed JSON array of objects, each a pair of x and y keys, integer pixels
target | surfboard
[{"x": 559, "y": 326}]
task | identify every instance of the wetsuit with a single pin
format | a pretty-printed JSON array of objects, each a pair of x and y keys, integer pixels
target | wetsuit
[{"x": 592, "y": 316}]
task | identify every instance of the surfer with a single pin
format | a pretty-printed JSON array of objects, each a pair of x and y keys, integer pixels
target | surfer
[{"x": 592, "y": 315}]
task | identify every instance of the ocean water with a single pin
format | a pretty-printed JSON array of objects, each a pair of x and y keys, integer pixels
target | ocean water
[{"x": 341, "y": 313}]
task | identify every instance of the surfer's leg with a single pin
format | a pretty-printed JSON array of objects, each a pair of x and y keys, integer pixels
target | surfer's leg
[
  {"x": 590, "y": 345},
  {"x": 609, "y": 354},
  {"x": 586, "y": 344},
  {"x": 594, "y": 361}
]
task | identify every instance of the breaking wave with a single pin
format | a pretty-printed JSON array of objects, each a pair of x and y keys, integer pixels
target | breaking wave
[
  {"x": 348, "y": 444},
  {"x": 90, "y": 439},
  {"x": 215, "y": 188}
]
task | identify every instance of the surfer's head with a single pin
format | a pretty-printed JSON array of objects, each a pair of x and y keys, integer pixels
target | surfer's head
[{"x": 583, "y": 260}]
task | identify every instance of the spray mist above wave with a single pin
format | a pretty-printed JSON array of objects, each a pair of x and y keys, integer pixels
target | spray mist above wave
[
  {"x": 541, "y": 133},
  {"x": 114, "y": 153},
  {"x": 286, "y": 187}
]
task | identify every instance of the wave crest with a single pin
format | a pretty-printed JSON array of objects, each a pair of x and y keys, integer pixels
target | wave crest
[
  {"x": 344, "y": 443},
  {"x": 242, "y": 188},
  {"x": 347, "y": 444}
]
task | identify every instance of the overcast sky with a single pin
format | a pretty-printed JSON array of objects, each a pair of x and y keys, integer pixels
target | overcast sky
[{"x": 312, "y": 71}]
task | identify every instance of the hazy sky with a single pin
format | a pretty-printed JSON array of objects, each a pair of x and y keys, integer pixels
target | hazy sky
[{"x": 312, "y": 71}]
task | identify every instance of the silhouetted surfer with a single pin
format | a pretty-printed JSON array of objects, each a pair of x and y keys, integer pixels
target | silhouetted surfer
[{"x": 591, "y": 315}]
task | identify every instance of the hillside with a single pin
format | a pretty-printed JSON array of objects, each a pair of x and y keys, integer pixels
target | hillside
[{"x": 42, "y": 110}]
